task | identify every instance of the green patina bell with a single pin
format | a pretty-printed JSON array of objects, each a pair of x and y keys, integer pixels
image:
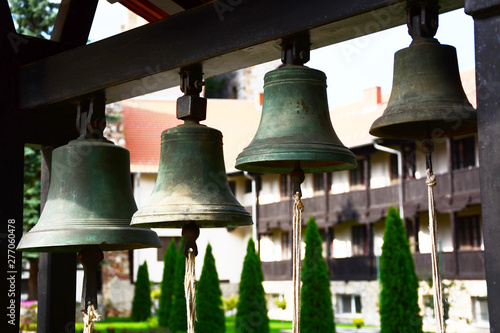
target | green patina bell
[
  {"x": 427, "y": 99},
  {"x": 295, "y": 126},
  {"x": 192, "y": 183},
  {"x": 90, "y": 202}
]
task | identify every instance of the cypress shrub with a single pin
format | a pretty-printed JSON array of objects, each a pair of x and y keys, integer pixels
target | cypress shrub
[
  {"x": 177, "y": 321},
  {"x": 167, "y": 284},
  {"x": 141, "y": 304},
  {"x": 251, "y": 315},
  {"x": 209, "y": 312},
  {"x": 316, "y": 311},
  {"x": 399, "y": 310}
]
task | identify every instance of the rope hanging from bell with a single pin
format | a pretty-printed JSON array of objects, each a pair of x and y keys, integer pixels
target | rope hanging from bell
[
  {"x": 428, "y": 148},
  {"x": 297, "y": 177},
  {"x": 190, "y": 233}
]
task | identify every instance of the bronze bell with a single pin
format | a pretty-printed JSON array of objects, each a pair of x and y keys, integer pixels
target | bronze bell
[
  {"x": 90, "y": 202},
  {"x": 295, "y": 126},
  {"x": 427, "y": 98},
  {"x": 192, "y": 183}
]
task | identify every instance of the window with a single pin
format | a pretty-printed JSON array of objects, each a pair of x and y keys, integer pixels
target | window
[
  {"x": 285, "y": 192},
  {"x": 286, "y": 251},
  {"x": 165, "y": 242},
  {"x": 409, "y": 160},
  {"x": 319, "y": 181},
  {"x": 480, "y": 309},
  {"x": 394, "y": 166},
  {"x": 357, "y": 176},
  {"x": 463, "y": 153},
  {"x": 232, "y": 186},
  {"x": 318, "y": 184},
  {"x": 359, "y": 240},
  {"x": 248, "y": 186},
  {"x": 324, "y": 244},
  {"x": 469, "y": 232},
  {"x": 348, "y": 304}
]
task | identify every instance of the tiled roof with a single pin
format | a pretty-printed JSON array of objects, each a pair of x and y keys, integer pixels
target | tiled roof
[
  {"x": 145, "y": 120},
  {"x": 154, "y": 10}
]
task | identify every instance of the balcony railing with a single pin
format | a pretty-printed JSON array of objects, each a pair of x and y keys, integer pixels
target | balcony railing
[
  {"x": 463, "y": 265},
  {"x": 370, "y": 205}
]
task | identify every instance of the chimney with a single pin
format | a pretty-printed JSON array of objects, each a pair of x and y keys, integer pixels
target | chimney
[{"x": 372, "y": 95}]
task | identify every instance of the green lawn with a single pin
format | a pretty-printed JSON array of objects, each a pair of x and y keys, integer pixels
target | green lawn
[
  {"x": 122, "y": 325},
  {"x": 274, "y": 325}
]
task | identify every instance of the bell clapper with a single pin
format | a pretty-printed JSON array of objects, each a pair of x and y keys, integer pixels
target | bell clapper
[
  {"x": 90, "y": 257},
  {"x": 190, "y": 233},
  {"x": 297, "y": 177}
]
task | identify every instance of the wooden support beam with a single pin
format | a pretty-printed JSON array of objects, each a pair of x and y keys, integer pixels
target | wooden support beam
[
  {"x": 6, "y": 22},
  {"x": 11, "y": 183},
  {"x": 148, "y": 58},
  {"x": 74, "y": 21},
  {"x": 486, "y": 14}
]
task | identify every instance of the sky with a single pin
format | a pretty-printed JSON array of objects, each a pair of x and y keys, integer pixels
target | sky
[{"x": 350, "y": 66}]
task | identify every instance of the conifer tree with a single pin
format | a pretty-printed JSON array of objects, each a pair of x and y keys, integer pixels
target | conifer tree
[
  {"x": 209, "y": 312},
  {"x": 399, "y": 310},
  {"x": 316, "y": 311},
  {"x": 251, "y": 315},
  {"x": 177, "y": 321},
  {"x": 141, "y": 305},
  {"x": 167, "y": 284}
]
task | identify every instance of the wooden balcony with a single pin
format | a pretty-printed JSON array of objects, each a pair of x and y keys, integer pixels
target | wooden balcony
[
  {"x": 454, "y": 192},
  {"x": 464, "y": 265}
]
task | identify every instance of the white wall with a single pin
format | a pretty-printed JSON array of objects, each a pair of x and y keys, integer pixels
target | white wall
[
  {"x": 380, "y": 173},
  {"x": 342, "y": 242},
  {"x": 444, "y": 233},
  {"x": 340, "y": 182},
  {"x": 378, "y": 237},
  {"x": 270, "y": 189}
]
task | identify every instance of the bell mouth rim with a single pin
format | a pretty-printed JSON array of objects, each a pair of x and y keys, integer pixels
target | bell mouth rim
[
  {"x": 283, "y": 163},
  {"x": 203, "y": 220},
  {"x": 62, "y": 244},
  {"x": 424, "y": 125}
]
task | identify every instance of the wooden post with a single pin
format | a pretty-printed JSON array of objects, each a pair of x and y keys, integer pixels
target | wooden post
[{"x": 486, "y": 16}]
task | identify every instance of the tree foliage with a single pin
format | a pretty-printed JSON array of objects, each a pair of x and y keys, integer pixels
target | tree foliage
[
  {"x": 399, "y": 310},
  {"x": 177, "y": 321},
  {"x": 209, "y": 310},
  {"x": 167, "y": 284},
  {"x": 251, "y": 315},
  {"x": 31, "y": 208},
  {"x": 316, "y": 311},
  {"x": 34, "y": 17},
  {"x": 141, "y": 305}
]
